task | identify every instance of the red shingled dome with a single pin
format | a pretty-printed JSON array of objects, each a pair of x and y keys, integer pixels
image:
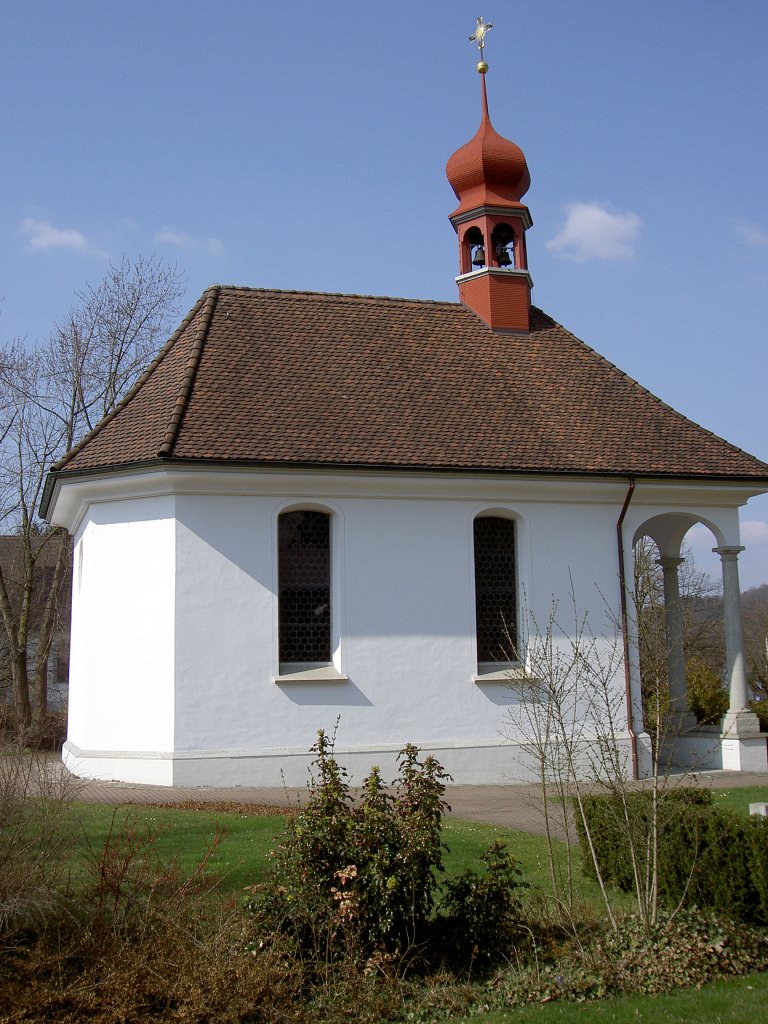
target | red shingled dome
[{"x": 489, "y": 170}]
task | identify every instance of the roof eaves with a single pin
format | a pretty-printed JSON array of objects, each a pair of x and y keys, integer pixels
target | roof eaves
[
  {"x": 190, "y": 372},
  {"x": 392, "y": 467}
]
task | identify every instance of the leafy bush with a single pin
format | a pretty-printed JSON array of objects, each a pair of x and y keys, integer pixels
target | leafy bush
[
  {"x": 707, "y": 857},
  {"x": 483, "y": 920},
  {"x": 358, "y": 881},
  {"x": 707, "y": 697},
  {"x": 691, "y": 949},
  {"x": 353, "y": 879},
  {"x": 760, "y": 707}
]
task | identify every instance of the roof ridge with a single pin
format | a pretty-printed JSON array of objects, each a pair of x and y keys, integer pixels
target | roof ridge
[
  {"x": 139, "y": 383},
  {"x": 190, "y": 372},
  {"x": 335, "y": 295},
  {"x": 649, "y": 393}
]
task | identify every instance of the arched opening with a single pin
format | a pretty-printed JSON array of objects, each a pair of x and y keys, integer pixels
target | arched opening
[
  {"x": 472, "y": 250},
  {"x": 680, "y": 638},
  {"x": 503, "y": 246}
]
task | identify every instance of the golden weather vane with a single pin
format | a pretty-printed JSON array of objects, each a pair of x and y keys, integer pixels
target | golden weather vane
[{"x": 478, "y": 36}]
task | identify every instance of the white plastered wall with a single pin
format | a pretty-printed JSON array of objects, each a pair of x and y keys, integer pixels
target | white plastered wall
[
  {"x": 121, "y": 694},
  {"x": 175, "y": 639}
]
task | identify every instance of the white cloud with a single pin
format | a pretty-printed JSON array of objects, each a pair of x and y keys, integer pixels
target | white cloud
[
  {"x": 43, "y": 236},
  {"x": 593, "y": 232},
  {"x": 754, "y": 531},
  {"x": 171, "y": 236},
  {"x": 750, "y": 233}
]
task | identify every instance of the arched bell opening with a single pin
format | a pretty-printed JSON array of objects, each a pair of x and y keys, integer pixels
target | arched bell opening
[
  {"x": 473, "y": 254},
  {"x": 503, "y": 247}
]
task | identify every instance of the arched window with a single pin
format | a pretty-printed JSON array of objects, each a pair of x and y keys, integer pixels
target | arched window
[
  {"x": 304, "y": 587},
  {"x": 495, "y": 589}
]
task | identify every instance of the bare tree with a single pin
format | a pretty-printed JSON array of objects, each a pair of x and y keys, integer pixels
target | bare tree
[
  {"x": 754, "y": 604},
  {"x": 51, "y": 394}
]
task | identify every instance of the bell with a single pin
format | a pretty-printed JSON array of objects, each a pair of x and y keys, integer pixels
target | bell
[
  {"x": 478, "y": 259},
  {"x": 505, "y": 260}
]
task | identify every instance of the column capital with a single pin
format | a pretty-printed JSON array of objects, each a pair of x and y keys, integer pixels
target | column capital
[
  {"x": 669, "y": 561},
  {"x": 729, "y": 552}
]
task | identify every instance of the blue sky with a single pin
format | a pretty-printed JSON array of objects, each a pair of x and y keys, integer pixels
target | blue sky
[{"x": 303, "y": 145}]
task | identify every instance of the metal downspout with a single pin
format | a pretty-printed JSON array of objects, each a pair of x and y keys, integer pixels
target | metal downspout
[{"x": 625, "y": 627}]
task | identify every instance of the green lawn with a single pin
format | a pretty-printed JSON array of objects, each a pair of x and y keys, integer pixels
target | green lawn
[
  {"x": 241, "y": 858},
  {"x": 740, "y": 799},
  {"x": 723, "y": 1002}
]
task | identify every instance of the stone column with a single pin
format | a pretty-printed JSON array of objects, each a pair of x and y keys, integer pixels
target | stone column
[
  {"x": 744, "y": 749},
  {"x": 673, "y": 617},
  {"x": 735, "y": 666}
]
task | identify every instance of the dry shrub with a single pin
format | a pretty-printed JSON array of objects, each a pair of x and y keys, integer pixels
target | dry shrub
[
  {"x": 48, "y": 732},
  {"x": 35, "y": 836},
  {"x": 135, "y": 939},
  {"x": 186, "y": 967}
]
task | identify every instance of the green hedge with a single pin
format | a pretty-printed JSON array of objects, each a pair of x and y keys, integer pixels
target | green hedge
[{"x": 708, "y": 857}]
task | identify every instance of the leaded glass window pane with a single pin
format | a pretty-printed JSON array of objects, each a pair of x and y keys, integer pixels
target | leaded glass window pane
[
  {"x": 495, "y": 589},
  {"x": 304, "y": 586}
]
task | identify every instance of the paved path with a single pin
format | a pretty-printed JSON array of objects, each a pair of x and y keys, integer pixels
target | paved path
[{"x": 514, "y": 806}]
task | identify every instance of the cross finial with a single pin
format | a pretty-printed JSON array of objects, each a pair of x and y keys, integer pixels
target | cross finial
[{"x": 478, "y": 36}]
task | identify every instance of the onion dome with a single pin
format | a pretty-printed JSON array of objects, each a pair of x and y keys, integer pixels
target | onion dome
[{"x": 489, "y": 170}]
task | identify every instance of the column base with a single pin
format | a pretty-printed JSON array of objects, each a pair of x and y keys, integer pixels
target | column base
[
  {"x": 744, "y": 748},
  {"x": 740, "y": 723}
]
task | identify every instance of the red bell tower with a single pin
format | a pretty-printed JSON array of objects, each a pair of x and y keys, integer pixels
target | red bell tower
[{"x": 490, "y": 176}]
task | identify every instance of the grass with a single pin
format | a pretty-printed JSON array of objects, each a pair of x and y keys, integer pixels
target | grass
[
  {"x": 722, "y": 1002},
  {"x": 242, "y": 858},
  {"x": 185, "y": 836},
  {"x": 739, "y": 799}
]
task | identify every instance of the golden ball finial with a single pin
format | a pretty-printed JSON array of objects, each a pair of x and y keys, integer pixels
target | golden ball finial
[{"x": 482, "y": 67}]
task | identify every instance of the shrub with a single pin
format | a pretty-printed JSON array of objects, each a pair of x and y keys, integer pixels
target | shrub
[
  {"x": 707, "y": 697},
  {"x": 34, "y": 837},
  {"x": 351, "y": 880},
  {"x": 128, "y": 888},
  {"x": 707, "y": 857},
  {"x": 760, "y": 707},
  {"x": 483, "y": 922}
]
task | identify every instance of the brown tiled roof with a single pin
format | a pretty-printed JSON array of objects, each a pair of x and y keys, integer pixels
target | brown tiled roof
[{"x": 302, "y": 378}]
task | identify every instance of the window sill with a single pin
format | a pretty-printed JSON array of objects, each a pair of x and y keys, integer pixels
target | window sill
[
  {"x": 511, "y": 673},
  {"x": 303, "y": 672}
]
